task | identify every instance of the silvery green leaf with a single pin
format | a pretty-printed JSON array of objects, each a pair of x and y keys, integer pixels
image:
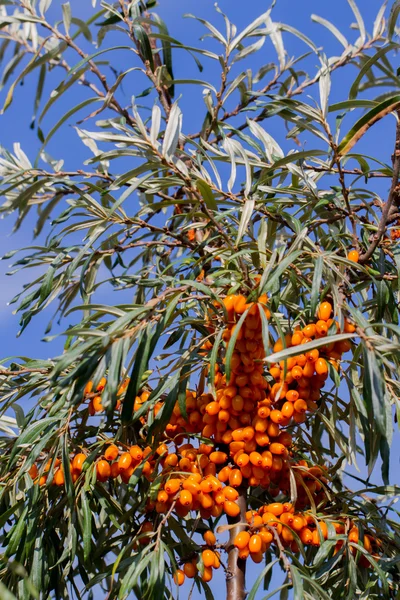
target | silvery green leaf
[
  {"x": 379, "y": 23},
  {"x": 324, "y": 86},
  {"x": 276, "y": 38},
  {"x": 248, "y": 30},
  {"x": 272, "y": 147},
  {"x": 334, "y": 30},
  {"x": 227, "y": 145},
  {"x": 246, "y": 212},
  {"x": 249, "y": 50},
  {"x": 44, "y": 5},
  {"x": 66, "y": 10},
  {"x": 360, "y": 21},
  {"x": 172, "y": 132}
]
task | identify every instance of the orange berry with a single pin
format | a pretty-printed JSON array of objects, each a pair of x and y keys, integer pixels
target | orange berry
[
  {"x": 322, "y": 327},
  {"x": 125, "y": 461},
  {"x": 209, "y": 538},
  {"x": 276, "y": 508},
  {"x": 321, "y": 366},
  {"x": 325, "y": 311},
  {"x": 185, "y": 498},
  {"x": 287, "y": 409},
  {"x": 102, "y": 384},
  {"x": 179, "y": 577},
  {"x": 309, "y": 330},
  {"x": 353, "y": 255},
  {"x": 88, "y": 388},
  {"x": 111, "y": 452},
  {"x": 208, "y": 558},
  {"x": 96, "y": 403},
  {"x": 231, "y": 508},
  {"x": 255, "y": 544},
  {"x": 33, "y": 471},
  {"x": 189, "y": 570},
  {"x": 300, "y": 406},
  {"x": 218, "y": 458},
  {"x": 172, "y": 486},
  {"x": 59, "y": 478},
  {"x": 103, "y": 470},
  {"x": 207, "y": 575},
  {"x": 235, "y": 478},
  {"x": 276, "y": 448},
  {"x": 230, "y": 493},
  {"x": 242, "y": 539}
]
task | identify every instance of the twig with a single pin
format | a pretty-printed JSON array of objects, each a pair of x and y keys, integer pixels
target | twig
[{"x": 394, "y": 189}]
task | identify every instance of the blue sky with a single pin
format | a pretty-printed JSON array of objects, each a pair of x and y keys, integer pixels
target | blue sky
[{"x": 14, "y": 125}]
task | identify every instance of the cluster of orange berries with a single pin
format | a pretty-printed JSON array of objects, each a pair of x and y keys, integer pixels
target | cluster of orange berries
[
  {"x": 210, "y": 559},
  {"x": 113, "y": 463},
  {"x": 95, "y": 404},
  {"x": 282, "y": 520}
]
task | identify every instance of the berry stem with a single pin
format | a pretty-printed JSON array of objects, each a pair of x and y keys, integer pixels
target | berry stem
[{"x": 236, "y": 572}]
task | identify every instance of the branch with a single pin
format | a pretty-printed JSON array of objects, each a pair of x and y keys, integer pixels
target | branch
[
  {"x": 235, "y": 575},
  {"x": 394, "y": 190}
]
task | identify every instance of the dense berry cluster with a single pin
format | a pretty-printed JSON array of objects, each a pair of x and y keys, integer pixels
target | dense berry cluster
[{"x": 245, "y": 424}]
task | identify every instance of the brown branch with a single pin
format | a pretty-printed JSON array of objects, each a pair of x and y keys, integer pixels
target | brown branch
[
  {"x": 393, "y": 193},
  {"x": 9, "y": 373},
  {"x": 341, "y": 62},
  {"x": 235, "y": 575}
]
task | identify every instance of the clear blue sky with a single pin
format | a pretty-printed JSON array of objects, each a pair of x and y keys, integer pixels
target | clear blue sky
[{"x": 14, "y": 126}]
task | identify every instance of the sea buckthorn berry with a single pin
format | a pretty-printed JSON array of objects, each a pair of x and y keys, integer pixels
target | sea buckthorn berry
[
  {"x": 110, "y": 453},
  {"x": 59, "y": 478},
  {"x": 103, "y": 470},
  {"x": 88, "y": 388},
  {"x": 96, "y": 403},
  {"x": 349, "y": 327},
  {"x": 231, "y": 508},
  {"x": 209, "y": 538},
  {"x": 239, "y": 304},
  {"x": 185, "y": 498},
  {"x": 125, "y": 461},
  {"x": 171, "y": 460},
  {"x": 276, "y": 508},
  {"x": 309, "y": 331},
  {"x": 300, "y": 406},
  {"x": 255, "y": 543},
  {"x": 325, "y": 311},
  {"x": 207, "y": 574},
  {"x": 189, "y": 570},
  {"x": 287, "y": 410},
  {"x": 33, "y": 471},
  {"x": 208, "y": 558},
  {"x": 172, "y": 486},
  {"x": 321, "y": 366},
  {"x": 297, "y": 372},
  {"x": 235, "y": 478},
  {"x": 101, "y": 385},
  {"x": 353, "y": 255},
  {"x": 292, "y": 395},
  {"x": 276, "y": 448},
  {"x": 179, "y": 577},
  {"x": 78, "y": 461},
  {"x": 242, "y": 539},
  {"x": 218, "y": 458},
  {"x": 230, "y": 493}
]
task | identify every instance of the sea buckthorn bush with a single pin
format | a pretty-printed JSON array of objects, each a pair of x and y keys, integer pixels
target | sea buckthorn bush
[{"x": 226, "y": 292}]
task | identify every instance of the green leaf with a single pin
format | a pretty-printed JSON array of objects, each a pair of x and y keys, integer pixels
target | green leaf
[
  {"x": 144, "y": 44},
  {"x": 338, "y": 35},
  {"x": 303, "y": 348},
  {"x": 246, "y": 213},
  {"x": 206, "y": 194},
  {"x": 86, "y": 525},
  {"x": 362, "y": 125},
  {"x": 231, "y": 345},
  {"x": 394, "y": 13},
  {"x": 67, "y": 16},
  {"x": 367, "y": 66},
  {"x": 260, "y": 579},
  {"x": 316, "y": 284},
  {"x": 374, "y": 392}
]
